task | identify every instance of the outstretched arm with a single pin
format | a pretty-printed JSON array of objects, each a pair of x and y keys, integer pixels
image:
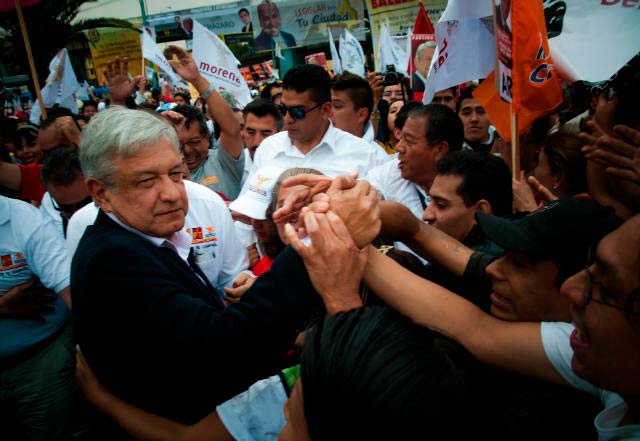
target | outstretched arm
[
  {"x": 138, "y": 423},
  {"x": 219, "y": 110},
  {"x": 507, "y": 345}
]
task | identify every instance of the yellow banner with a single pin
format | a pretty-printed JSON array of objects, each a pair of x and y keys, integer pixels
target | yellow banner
[
  {"x": 107, "y": 43},
  {"x": 399, "y": 16}
]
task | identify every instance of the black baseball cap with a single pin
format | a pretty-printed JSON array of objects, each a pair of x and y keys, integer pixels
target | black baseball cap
[{"x": 563, "y": 228}]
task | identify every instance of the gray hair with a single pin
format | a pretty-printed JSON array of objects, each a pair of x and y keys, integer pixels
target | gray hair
[
  {"x": 119, "y": 131},
  {"x": 284, "y": 175},
  {"x": 420, "y": 48}
]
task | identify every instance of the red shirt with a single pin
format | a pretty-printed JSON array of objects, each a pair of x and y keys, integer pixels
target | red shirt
[
  {"x": 262, "y": 266},
  {"x": 31, "y": 186}
]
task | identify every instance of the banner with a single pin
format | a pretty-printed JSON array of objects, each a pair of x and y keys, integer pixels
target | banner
[
  {"x": 465, "y": 46},
  {"x": 228, "y": 18},
  {"x": 351, "y": 54},
  {"x": 107, "y": 43},
  {"x": 296, "y": 23},
  {"x": 152, "y": 53},
  {"x": 398, "y": 16},
  {"x": 60, "y": 88},
  {"x": 218, "y": 64}
]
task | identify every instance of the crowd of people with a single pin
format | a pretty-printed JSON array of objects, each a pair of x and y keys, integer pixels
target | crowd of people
[{"x": 331, "y": 261}]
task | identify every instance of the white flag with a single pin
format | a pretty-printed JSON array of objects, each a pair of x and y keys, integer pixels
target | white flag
[
  {"x": 390, "y": 52},
  {"x": 465, "y": 46},
  {"x": 278, "y": 50},
  {"x": 61, "y": 86},
  {"x": 151, "y": 52},
  {"x": 218, "y": 64},
  {"x": 337, "y": 66},
  {"x": 351, "y": 54},
  {"x": 591, "y": 41}
]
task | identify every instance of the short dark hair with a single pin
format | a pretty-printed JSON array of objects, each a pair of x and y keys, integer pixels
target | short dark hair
[
  {"x": 443, "y": 124},
  {"x": 27, "y": 132},
  {"x": 309, "y": 77},
  {"x": 484, "y": 176},
  {"x": 261, "y": 107},
  {"x": 184, "y": 95},
  {"x": 357, "y": 88},
  {"x": 403, "y": 114},
  {"x": 466, "y": 94},
  {"x": 370, "y": 373},
  {"x": 192, "y": 114},
  {"x": 243, "y": 10},
  {"x": 266, "y": 90},
  {"x": 88, "y": 103},
  {"x": 62, "y": 167}
]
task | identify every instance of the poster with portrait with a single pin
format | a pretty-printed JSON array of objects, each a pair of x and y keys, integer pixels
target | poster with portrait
[
  {"x": 296, "y": 23},
  {"x": 228, "y": 18},
  {"x": 423, "y": 47}
]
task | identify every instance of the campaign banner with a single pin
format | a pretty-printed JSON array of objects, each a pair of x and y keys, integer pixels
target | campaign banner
[
  {"x": 398, "y": 16},
  {"x": 296, "y": 23},
  {"x": 218, "y": 64},
  {"x": 227, "y": 18},
  {"x": 107, "y": 43}
]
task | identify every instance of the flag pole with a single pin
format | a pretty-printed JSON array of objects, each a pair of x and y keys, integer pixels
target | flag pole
[
  {"x": 32, "y": 66},
  {"x": 515, "y": 145}
]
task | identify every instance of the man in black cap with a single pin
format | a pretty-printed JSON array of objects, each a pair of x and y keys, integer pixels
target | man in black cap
[{"x": 543, "y": 249}]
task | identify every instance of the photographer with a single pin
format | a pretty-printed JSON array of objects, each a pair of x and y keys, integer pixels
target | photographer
[{"x": 387, "y": 87}]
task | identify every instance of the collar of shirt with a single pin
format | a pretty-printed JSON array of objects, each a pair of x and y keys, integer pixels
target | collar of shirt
[
  {"x": 368, "y": 132},
  {"x": 4, "y": 210},
  {"x": 180, "y": 241},
  {"x": 329, "y": 139}
]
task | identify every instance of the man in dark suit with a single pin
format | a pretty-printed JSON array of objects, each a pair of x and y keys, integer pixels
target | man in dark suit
[
  {"x": 146, "y": 317},
  {"x": 246, "y": 20},
  {"x": 271, "y": 22}
]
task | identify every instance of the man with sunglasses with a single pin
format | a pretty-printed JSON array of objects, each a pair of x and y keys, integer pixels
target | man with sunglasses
[
  {"x": 309, "y": 139},
  {"x": 66, "y": 191}
]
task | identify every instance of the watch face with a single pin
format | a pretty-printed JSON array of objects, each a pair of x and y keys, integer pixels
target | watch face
[{"x": 554, "y": 11}]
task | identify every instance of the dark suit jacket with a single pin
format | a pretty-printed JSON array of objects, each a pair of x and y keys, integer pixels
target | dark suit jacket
[
  {"x": 158, "y": 337},
  {"x": 248, "y": 28},
  {"x": 265, "y": 42}
]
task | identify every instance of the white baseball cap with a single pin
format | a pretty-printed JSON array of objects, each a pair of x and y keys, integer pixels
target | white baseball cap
[{"x": 257, "y": 197}]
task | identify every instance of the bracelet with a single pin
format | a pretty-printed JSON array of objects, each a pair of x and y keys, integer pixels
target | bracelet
[{"x": 206, "y": 94}]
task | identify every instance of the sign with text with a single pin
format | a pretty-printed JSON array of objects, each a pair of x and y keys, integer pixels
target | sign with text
[{"x": 107, "y": 43}]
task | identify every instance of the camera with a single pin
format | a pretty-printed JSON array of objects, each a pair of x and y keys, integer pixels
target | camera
[{"x": 391, "y": 77}]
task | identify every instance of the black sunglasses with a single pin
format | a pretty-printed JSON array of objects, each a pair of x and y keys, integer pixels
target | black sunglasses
[
  {"x": 68, "y": 210},
  {"x": 296, "y": 112}
]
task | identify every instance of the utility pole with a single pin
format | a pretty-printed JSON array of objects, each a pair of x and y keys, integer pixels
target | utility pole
[{"x": 143, "y": 13}]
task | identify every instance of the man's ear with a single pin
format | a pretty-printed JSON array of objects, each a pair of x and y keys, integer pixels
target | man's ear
[
  {"x": 100, "y": 194},
  {"x": 327, "y": 109},
  {"x": 363, "y": 115},
  {"x": 442, "y": 148},
  {"x": 483, "y": 206}
]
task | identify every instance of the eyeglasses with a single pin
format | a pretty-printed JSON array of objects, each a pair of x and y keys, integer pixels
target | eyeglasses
[
  {"x": 67, "y": 210},
  {"x": 296, "y": 112},
  {"x": 588, "y": 295},
  {"x": 192, "y": 143}
]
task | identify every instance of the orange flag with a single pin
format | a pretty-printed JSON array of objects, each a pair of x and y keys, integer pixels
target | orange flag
[{"x": 535, "y": 86}]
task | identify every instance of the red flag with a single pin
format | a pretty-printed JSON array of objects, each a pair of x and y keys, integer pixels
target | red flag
[
  {"x": 535, "y": 86},
  {"x": 10, "y": 5},
  {"x": 423, "y": 23}
]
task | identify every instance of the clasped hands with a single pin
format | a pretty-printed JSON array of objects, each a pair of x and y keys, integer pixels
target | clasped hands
[{"x": 341, "y": 217}]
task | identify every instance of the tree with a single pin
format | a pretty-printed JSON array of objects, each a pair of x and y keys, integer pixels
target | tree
[{"x": 50, "y": 28}]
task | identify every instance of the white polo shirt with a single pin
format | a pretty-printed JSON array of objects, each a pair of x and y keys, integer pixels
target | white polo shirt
[
  {"x": 337, "y": 153},
  {"x": 217, "y": 250},
  {"x": 30, "y": 247}
]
